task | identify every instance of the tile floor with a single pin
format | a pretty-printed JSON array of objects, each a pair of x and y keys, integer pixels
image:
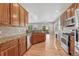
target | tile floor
[{"x": 43, "y": 49}]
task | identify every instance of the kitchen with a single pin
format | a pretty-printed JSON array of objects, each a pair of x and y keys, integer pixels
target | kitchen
[{"x": 29, "y": 29}]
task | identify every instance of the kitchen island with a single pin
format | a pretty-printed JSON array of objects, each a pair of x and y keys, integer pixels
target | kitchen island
[{"x": 38, "y": 36}]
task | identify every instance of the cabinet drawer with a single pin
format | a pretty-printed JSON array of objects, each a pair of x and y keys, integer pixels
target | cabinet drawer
[{"x": 8, "y": 44}]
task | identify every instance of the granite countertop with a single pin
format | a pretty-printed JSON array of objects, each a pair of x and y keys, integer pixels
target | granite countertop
[{"x": 4, "y": 39}]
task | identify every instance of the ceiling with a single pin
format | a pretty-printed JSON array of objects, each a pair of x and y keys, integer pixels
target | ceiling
[{"x": 44, "y": 12}]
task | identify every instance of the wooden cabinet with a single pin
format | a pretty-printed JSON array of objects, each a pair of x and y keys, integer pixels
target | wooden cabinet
[
  {"x": 68, "y": 13},
  {"x": 65, "y": 15},
  {"x": 4, "y": 13},
  {"x": 62, "y": 20},
  {"x": 26, "y": 18},
  {"x": 38, "y": 37},
  {"x": 13, "y": 14},
  {"x": 71, "y": 44},
  {"x": 1, "y": 14},
  {"x": 23, "y": 17},
  {"x": 14, "y": 8},
  {"x": 9, "y": 48},
  {"x": 22, "y": 45},
  {"x": 12, "y": 51},
  {"x": 71, "y": 10},
  {"x": 77, "y": 5},
  {"x": 14, "y": 47},
  {"x": 73, "y": 7},
  {"x": 22, "y": 11}
]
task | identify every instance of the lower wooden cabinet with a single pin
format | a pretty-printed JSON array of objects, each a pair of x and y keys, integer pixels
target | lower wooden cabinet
[
  {"x": 15, "y": 47},
  {"x": 9, "y": 48},
  {"x": 12, "y": 51},
  {"x": 22, "y": 45},
  {"x": 71, "y": 44}
]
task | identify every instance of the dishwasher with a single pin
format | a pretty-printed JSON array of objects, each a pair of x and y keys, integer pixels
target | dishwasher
[{"x": 29, "y": 41}]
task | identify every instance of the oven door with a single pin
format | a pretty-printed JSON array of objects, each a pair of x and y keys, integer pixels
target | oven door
[
  {"x": 64, "y": 42},
  {"x": 77, "y": 39}
]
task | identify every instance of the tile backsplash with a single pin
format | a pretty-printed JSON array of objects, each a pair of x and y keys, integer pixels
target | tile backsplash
[{"x": 8, "y": 31}]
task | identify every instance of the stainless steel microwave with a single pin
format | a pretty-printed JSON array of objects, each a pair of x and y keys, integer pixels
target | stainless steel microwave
[{"x": 70, "y": 22}]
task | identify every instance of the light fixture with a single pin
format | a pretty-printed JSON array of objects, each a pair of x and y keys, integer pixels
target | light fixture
[{"x": 14, "y": 16}]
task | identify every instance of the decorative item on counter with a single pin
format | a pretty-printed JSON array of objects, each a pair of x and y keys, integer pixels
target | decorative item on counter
[{"x": 30, "y": 27}]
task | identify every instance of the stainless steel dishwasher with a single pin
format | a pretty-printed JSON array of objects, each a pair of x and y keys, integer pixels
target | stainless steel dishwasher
[{"x": 29, "y": 40}]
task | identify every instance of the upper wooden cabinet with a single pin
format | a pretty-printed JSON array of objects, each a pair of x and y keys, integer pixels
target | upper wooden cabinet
[
  {"x": 65, "y": 15},
  {"x": 22, "y": 16},
  {"x": 14, "y": 8},
  {"x": 77, "y": 5},
  {"x": 73, "y": 7},
  {"x": 62, "y": 20},
  {"x": 26, "y": 18},
  {"x": 68, "y": 13},
  {"x": 71, "y": 11},
  {"x": 4, "y": 13},
  {"x": 1, "y": 13},
  {"x": 13, "y": 14}
]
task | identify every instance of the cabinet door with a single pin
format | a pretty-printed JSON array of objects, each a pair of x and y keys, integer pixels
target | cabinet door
[
  {"x": 26, "y": 18},
  {"x": 71, "y": 45},
  {"x": 77, "y": 5},
  {"x": 1, "y": 13},
  {"x": 62, "y": 20},
  {"x": 73, "y": 7},
  {"x": 12, "y": 51},
  {"x": 65, "y": 15},
  {"x": 6, "y": 14},
  {"x": 68, "y": 13},
  {"x": 34, "y": 38},
  {"x": 22, "y": 45},
  {"x": 22, "y": 16},
  {"x": 14, "y": 14}
]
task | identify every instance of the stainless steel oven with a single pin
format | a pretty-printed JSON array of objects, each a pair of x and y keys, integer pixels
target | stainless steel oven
[
  {"x": 77, "y": 41},
  {"x": 64, "y": 41}
]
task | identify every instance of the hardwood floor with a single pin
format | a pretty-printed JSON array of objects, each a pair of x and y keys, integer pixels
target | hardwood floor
[{"x": 42, "y": 49}]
